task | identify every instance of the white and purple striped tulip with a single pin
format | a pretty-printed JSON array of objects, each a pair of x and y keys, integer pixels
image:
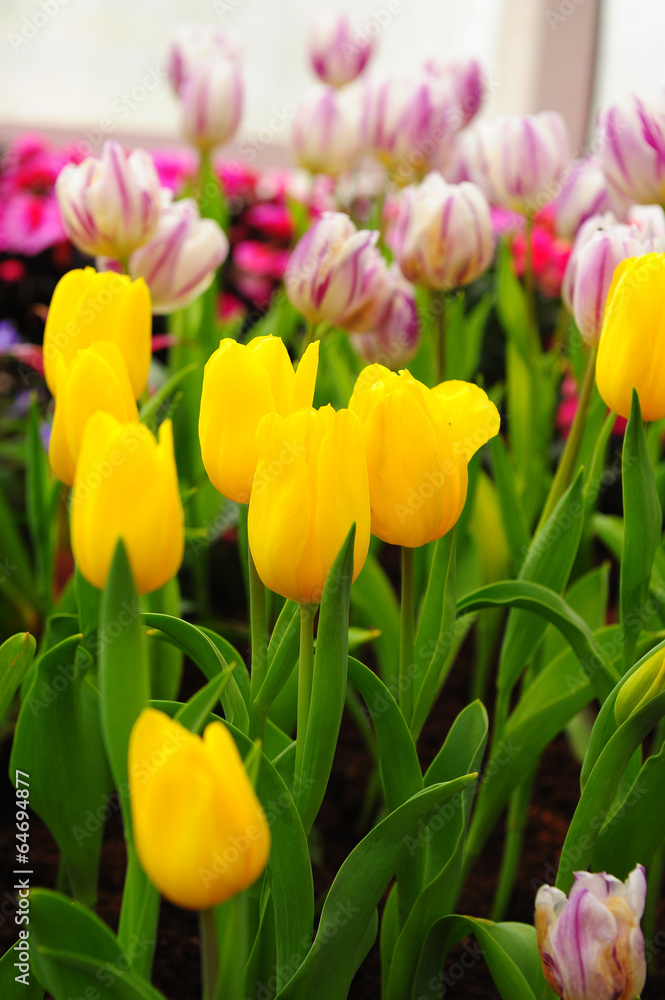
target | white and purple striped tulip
[
  {"x": 632, "y": 149},
  {"x": 326, "y": 131},
  {"x": 393, "y": 339},
  {"x": 650, "y": 221},
  {"x": 591, "y": 944},
  {"x": 583, "y": 193},
  {"x": 180, "y": 261},
  {"x": 338, "y": 54},
  {"x": 409, "y": 123},
  {"x": 525, "y": 155},
  {"x": 467, "y": 85},
  {"x": 443, "y": 234},
  {"x": 212, "y": 101},
  {"x": 193, "y": 42},
  {"x": 336, "y": 272},
  {"x": 110, "y": 206}
]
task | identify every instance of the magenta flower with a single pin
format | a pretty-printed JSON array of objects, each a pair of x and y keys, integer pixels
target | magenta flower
[
  {"x": 591, "y": 944},
  {"x": 632, "y": 153},
  {"x": 110, "y": 206},
  {"x": 338, "y": 54}
]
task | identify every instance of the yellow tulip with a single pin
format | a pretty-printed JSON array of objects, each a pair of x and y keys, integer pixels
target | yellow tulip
[
  {"x": 199, "y": 829},
  {"x": 241, "y": 384},
  {"x": 419, "y": 442},
  {"x": 97, "y": 379},
  {"x": 631, "y": 353},
  {"x": 310, "y": 486},
  {"x": 89, "y": 305},
  {"x": 126, "y": 486}
]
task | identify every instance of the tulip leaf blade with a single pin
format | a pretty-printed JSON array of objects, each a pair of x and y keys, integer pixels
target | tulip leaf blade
[
  {"x": 282, "y": 654},
  {"x": 16, "y": 656},
  {"x": 330, "y": 964},
  {"x": 13, "y": 989},
  {"x": 643, "y": 522},
  {"x": 548, "y": 562},
  {"x": 124, "y": 669},
  {"x": 509, "y": 949},
  {"x": 328, "y": 683},
  {"x": 512, "y": 514},
  {"x": 58, "y": 743},
  {"x": 72, "y": 948},
  {"x": 375, "y": 605},
  {"x": 41, "y": 493},
  {"x": 203, "y": 651},
  {"x": 194, "y": 713}
]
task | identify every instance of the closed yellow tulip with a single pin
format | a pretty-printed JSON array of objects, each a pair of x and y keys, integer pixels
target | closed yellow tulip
[
  {"x": 419, "y": 442},
  {"x": 309, "y": 488},
  {"x": 126, "y": 487},
  {"x": 199, "y": 829},
  {"x": 241, "y": 384},
  {"x": 631, "y": 353},
  {"x": 89, "y": 305},
  {"x": 97, "y": 379}
]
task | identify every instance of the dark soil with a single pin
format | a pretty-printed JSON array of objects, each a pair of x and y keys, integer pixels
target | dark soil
[{"x": 176, "y": 971}]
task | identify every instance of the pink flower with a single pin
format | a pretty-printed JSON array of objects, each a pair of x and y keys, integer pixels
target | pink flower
[
  {"x": 272, "y": 220},
  {"x": 258, "y": 258},
  {"x": 29, "y": 223},
  {"x": 174, "y": 167},
  {"x": 549, "y": 254},
  {"x": 338, "y": 54}
]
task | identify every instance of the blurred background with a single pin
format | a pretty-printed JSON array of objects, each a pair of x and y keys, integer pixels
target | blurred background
[{"x": 95, "y": 68}]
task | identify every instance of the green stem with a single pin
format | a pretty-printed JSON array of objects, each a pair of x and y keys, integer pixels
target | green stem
[
  {"x": 512, "y": 848},
  {"x": 138, "y": 914},
  {"x": 528, "y": 284},
  {"x": 259, "y": 633},
  {"x": 407, "y": 625},
  {"x": 441, "y": 338},
  {"x": 568, "y": 459},
  {"x": 209, "y": 954},
  {"x": 305, "y": 674},
  {"x": 307, "y": 339}
]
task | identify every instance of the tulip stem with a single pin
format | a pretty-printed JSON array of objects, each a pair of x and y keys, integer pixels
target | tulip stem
[
  {"x": 528, "y": 276},
  {"x": 566, "y": 466},
  {"x": 258, "y": 631},
  {"x": 209, "y": 953},
  {"x": 512, "y": 849},
  {"x": 407, "y": 626},
  {"x": 305, "y": 674}
]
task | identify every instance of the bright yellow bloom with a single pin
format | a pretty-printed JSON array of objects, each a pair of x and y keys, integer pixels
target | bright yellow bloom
[
  {"x": 199, "y": 829},
  {"x": 631, "y": 353},
  {"x": 89, "y": 305},
  {"x": 419, "y": 442},
  {"x": 126, "y": 486},
  {"x": 97, "y": 379},
  {"x": 241, "y": 384},
  {"x": 309, "y": 488}
]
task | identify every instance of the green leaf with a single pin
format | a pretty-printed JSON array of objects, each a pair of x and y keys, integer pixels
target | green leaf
[
  {"x": 642, "y": 527},
  {"x": 548, "y": 562},
  {"x": 154, "y": 410},
  {"x": 124, "y": 671},
  {"x": 510, "y": 950},
  {"x": 553, "y": 608},
  {"x": 166, "y": 660},
  {"x": 231, "y": 656},
  {"x": 10, "y": 989},
  {"x": 74, "y": 951},
  {"x": 514, "y": 520},
  {"x": 16, "y": 579},
  {"x": 375, "y": 606},
  {"x": 436, "y": 630},
  {"x": 16, "y": 656},
  {"x": 205, "y": 654},
  {"x": 589, "y": 595},
  {"x": 328, "y": 684},
  {"x": 282, "y": 654},
  {"x": 41, "y": 491},
  {"x": 356, "y": 892},
  {"x": 58, "y": 743},
  {"x": 194, "y": 714}
]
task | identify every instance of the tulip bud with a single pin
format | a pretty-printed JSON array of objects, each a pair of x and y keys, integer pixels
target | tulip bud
[
  {"x": 97, "y": 379},
  {"x": 338, "y": 55},
  {"x": 212, "y": 99},
  {"x": 335, "y": 272},
  {"x": 419, "y": 442},
  {"x": 181, "y": 260},
  {"x": 87, "y": 306},
  {"x": 443, "y": 235},
  {"x": 393, "y": 339},
  {"x": 591, "y": 944},
  {"x": 630, "y": 352},
  {"x": 583, "y": 194},
  {"x": 525, "y": 156},
  {"x": 126, "y": 487},
  {"x": 194, "y": 42},
  {"x": 409, "y": 122},
  {"x": 200, "y": 832},
  {"x": 650, "y": 223},
  {"x": 109, "y": 206},
  {"x": 326, "y": 130},
  {"x": 632, "y": 150},
  {"x": 241, "y": 384},
  {"x": 310, "y": 487},
  {"x": 595, "y": 263},
  {"x": 466, "y": 84},
  {"x": 641, "y": 686}
]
